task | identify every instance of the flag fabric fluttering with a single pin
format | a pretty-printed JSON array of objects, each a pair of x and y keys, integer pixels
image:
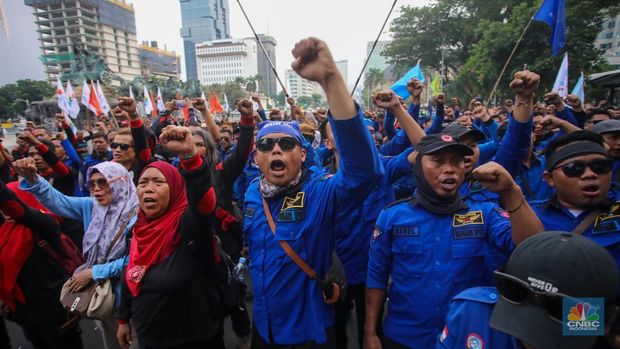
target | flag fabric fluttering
[
  {"x": 160, "y": 101},
  {"x": 216, "y": 107},
  {"x": 63, "y": 101},
  {"x": 204, "y": 98},
  {"x": 553, "y": 12},
  {"x": 436, "y": 85},
  {"x": 148, "y": 104},
  {"x": 580, "y": 89},
  {"x": 105, "y": 106},
  {"x": 86, "y": 95},
  {"x": 74, "y": 104},
  {"x": 131, "y": 92},
  {"x": 93, "y": 100},
  {"x": 400, "y": 86},
  {"x": 226, "y": 105},
  {"x": 561, "y": 81}
]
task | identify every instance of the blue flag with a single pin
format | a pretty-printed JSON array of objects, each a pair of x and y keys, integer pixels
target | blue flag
[
  {"x": 400, "y": 86},
  {"x": 553, "y": 12},
  {"x": 579, "y": 89}
]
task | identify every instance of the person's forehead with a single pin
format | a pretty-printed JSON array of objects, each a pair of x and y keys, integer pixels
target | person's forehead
[
  {"x": 126, "y": 139},
  {"x": 600, "y": 117},
  {"x": 96, "y": 175},
  {"x": 152, "y": 172}
]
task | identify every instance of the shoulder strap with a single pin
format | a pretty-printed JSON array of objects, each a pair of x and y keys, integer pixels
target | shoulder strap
[
  {"x": 120, "y": 232},
  {"x": 586, "y": 222},
  {"x": 286, "y": 247}
]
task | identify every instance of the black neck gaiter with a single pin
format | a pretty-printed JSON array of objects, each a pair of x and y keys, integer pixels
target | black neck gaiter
[{"x": 426, "y": 196}]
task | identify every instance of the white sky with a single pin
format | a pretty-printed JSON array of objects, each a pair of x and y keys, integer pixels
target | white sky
[{"x": 346, "y": 25}]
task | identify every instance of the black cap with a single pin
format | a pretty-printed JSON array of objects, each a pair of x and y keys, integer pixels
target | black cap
[
  {"x": 441, "y": 142},
  {"x": 459, "y": 131},
  {"x": 560, "y": 262},
  {"x": 607, "y": 126}
]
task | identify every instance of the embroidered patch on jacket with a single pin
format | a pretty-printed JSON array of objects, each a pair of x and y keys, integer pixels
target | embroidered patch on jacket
[
  {"x": 464, "y": 232},
  {"x": 473, "y": 217},
  {"x": 249, "y": 212},
  {"x": 296, "y": 202},
  {"x": 474, "y": 341},
  {"x": 606, "y": 223},
  {"x": 376, "y": 233},
  {"x": 291, "y": 215},
  {"x": 400, "y": 231}
]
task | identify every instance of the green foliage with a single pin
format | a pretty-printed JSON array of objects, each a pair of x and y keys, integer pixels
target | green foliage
[
  {"x": 14, "y": 97},
  {"x": 232, "y": 89},
  {"x": 477, "y": 36}
]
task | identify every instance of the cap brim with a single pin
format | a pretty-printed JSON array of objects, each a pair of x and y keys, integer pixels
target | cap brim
[
  {"x": 531, "y": 325},
  {"x": 608, "y": 130},
  {"x": 478, "y": 135},
  {"x": 457, "y": 147}
]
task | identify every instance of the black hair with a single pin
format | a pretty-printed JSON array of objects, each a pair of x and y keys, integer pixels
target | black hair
[
  {"x": 577, "y": 136},
  {"x": 44, "y": 128},
  {"x": 597, "y": 111},
  {"x": 323, "y": 129}
]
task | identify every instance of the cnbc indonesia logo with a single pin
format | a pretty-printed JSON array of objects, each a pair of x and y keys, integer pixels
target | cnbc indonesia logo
[{"x": 582, "y": 317}]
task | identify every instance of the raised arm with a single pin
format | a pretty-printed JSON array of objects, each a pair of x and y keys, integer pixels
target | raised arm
[
  {"x": 390, "y": 101},
  {"x": 201, "y": 105},
  {"x": 232, "y": 167}
]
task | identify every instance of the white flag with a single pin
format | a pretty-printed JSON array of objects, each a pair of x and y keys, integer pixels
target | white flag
[
  {"x": 561, "y": 81},
  {"x": 204, "y": 98},
  {"x": 226, "y": 105},
  {"x": 103, "y": 102},
  {"x": 63, "y": 102},
  {"x": 160, "y": 101},
  {"x": 130, "y": 91},
  {"x": 74, "y": 104},
  {"x": 148, "y": 104},
  {"x": 86, "y": 95}
]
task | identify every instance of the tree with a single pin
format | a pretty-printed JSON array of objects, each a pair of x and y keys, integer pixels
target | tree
[
  {"x": 280, "y": 99},
  {"x": 14, "y": 98}
]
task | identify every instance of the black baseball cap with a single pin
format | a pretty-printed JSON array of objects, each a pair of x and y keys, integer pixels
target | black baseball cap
[
  {"x": 607, "y": 126},
  {"x": 435, "y": 143},
  {"x": 555, "y": 262},
  {"x": 459, "y": 131}
]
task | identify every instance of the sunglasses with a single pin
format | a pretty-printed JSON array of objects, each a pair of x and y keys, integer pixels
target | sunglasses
[
  {"x": 102, "y": 182},
  {"x": 285, "y": 143},
  {"x": 517, "y": 291},
  {"x": 578, "y": 168},
  {"x": 123, "y": 146}
]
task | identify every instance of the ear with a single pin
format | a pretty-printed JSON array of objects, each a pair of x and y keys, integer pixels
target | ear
[
  {"x": 303, "y": 154},
  {"x": 548, "y": 177}
]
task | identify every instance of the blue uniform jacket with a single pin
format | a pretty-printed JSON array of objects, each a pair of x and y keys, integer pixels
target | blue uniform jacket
[
  {"x": 288, "y": 305},
  {"x": 467, "y": 322},
  {"x": 430, "y": 259},
  {"x": 354, "y": 229},
  {"x": 533, "y": 176}
]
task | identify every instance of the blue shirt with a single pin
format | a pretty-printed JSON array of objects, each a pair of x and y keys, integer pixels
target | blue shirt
[
  {"x": 430, "y": 258},
  {"x": 288, "y": 305},
  {"x": 536, "y": 188},
  {"x": 467, "y": 322}
]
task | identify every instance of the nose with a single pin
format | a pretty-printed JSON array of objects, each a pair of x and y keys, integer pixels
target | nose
[
  {"x": 588, "y": 173},
  {"x": 276, "y": 149}
]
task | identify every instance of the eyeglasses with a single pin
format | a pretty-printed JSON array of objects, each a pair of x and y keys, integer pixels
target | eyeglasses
[
  {"x": 517, "y": 291},
  {"x": 123, "y": 146},
  {"x": 578, "y": 168},
  {"x": 285, "y": 143},
  {"x": 102, "y": 182}
]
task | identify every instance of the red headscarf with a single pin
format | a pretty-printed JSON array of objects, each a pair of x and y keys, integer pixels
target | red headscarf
[
  {"x": 154, "y": 240},
  {"x": 16, "y": 244}
]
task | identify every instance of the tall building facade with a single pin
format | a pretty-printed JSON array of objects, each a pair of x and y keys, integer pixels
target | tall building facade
[
  {"x": 155, "y": 61},
  {"x": 202, "y": 20},
  {"x": 298, "y": 86},
  {"x": 377, "y": 60},
  {"x": 220, "y": 61},
  {"x": 105, "y": 27},
  {"x": 608, "y": 41},
  {"x": 268, "y": 84},
  {"x": 343, "y": 68},
  {"x": 19, "y": 47}
]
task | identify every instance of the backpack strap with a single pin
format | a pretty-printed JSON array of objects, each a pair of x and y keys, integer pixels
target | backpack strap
[
  {"x": 586, "y": 222},
  {"x": 287, "y": 248}
]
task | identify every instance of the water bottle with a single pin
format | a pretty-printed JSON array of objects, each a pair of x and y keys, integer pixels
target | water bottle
[{"x": 240, "y": 268}]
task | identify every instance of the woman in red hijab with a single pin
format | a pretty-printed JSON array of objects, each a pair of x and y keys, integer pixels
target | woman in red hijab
[
  {"x": 167, "y": 288},
  {"x": 30, "y": 277}
]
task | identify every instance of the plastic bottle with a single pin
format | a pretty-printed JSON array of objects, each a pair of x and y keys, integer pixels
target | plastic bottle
[{"x": 239, "y": 270}]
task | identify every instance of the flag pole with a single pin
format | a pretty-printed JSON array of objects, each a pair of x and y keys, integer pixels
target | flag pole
[{"x": 514, "y": 49}]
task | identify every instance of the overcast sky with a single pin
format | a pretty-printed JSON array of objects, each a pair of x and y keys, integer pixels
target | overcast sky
[{"x": 346, "y": 25}]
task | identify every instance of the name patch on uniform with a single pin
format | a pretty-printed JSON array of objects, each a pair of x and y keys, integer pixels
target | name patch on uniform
[
  {"x": 405, "y": 231},
  {"x": 473, "y": 217},
  {"x": 292, "y": 203},
  {"x": 291, "y": 215},
  {"x": 606, "y": 223},
  {"x": 468, "y": 233},
  {"x": 249, "y": 212}
]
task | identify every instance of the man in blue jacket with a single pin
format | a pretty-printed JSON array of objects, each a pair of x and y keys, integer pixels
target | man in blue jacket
[{"x": 289, "y": 207}]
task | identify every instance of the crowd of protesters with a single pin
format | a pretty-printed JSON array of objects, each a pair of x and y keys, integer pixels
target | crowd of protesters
[{"x": 466, "y": 227}]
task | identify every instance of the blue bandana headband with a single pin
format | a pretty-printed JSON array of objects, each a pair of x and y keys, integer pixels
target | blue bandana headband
[{"x": 290, "y": 128}]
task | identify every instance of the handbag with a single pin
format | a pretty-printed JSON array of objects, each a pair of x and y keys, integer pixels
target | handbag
[{"x": 95, "y": 300}]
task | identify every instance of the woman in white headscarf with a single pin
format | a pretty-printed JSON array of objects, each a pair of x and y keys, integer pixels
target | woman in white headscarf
[{"x": 111, "y": 207}]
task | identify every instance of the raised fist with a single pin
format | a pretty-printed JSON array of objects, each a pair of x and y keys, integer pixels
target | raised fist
[
  {"x": 290, "y": 101},
  {"x": 245, "y": 107},
  {"x": 26, "y": 168},
  {"x": 553, "y": 98},
  {"x": 129, "y": 105},
  {"x": 177, "y": 140},
  {"x": 386, "y": 100},
  {"x": 313, "y": 61},
  {"x": 574, "y": 102},
  {"x": 440, "y": 99},
  {"x": 525, "y": 83},
  {"x": 495, "y": 178},
  {"x": 415, "y": 87},
  {"x": 120, "y": 114},
  {"x": 27, "y": 137},
  {"x": 199, "y": 104}
]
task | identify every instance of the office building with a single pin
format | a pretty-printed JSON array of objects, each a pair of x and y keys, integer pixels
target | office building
[
  {"x": 104, "y": 27},
  {"x": 202, "y": 20},
  {"x": 268, "y": 84},
  {"x": 298, "y": 86},
  {"x": 19, "y": 46},
  {"x": 158, "y": 62},
  {"x": 343, "y": 68},
  {"x": 377, "y": 60},
  {"x": 608, "y": 41},
  {"x": 219, "y": 61}
]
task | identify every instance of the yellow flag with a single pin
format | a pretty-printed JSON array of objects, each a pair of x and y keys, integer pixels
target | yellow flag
[{"x": 436, "y": 85}]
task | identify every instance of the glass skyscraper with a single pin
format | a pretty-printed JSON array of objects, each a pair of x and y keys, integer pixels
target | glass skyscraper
[{"x": 202, "y": 20}]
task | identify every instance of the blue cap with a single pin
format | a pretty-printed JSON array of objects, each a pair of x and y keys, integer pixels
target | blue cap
[{"x": 290, "y": 128}]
